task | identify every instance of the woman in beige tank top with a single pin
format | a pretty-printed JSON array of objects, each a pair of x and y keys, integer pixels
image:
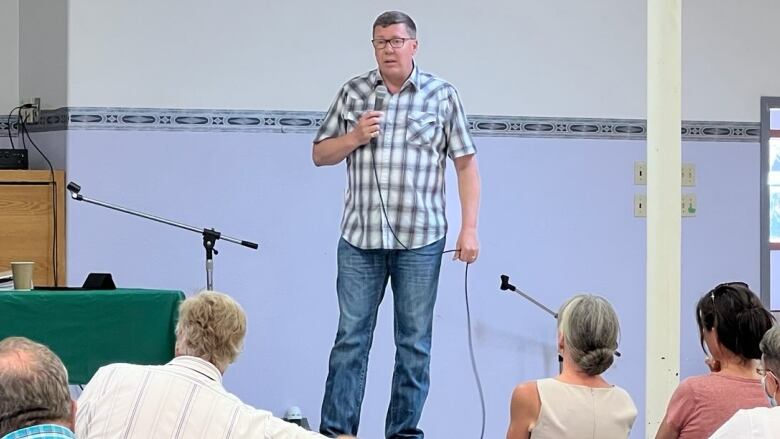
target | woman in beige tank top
[{"x": 578, "y": 403}]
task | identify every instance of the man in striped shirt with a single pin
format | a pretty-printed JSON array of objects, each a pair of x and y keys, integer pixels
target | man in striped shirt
[
  {"x": 184, "y": 398},
  {"x": 35, "y": 401},
  {"x": 395, "y": 126}
]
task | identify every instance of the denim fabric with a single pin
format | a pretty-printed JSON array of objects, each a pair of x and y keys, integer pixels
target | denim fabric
[{"x": 362, "y": 278}]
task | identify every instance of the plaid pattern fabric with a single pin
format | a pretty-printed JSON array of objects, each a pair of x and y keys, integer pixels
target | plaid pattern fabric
[
  {"x": 43, "y": 431},
  {"x": 423, "y": 124}
]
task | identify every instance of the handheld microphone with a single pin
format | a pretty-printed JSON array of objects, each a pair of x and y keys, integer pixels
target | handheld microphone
[
  {"x": 381, "y": 95},
  {"x": 379, "y": 104}
]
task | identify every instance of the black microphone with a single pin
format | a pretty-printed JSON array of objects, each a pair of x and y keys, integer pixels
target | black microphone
[
  {"x": 379, "y": 105},
  {"x": 505, "y": 285},
  {"x": 74, "y": 190}
]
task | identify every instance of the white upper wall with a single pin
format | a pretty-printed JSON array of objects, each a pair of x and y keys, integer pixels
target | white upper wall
[
  {"x": 9, "y": 67},
  {"x": 729, "y": 58},
  {"x": 556, "y": 58},
  {"x": 43, "y": 51}
]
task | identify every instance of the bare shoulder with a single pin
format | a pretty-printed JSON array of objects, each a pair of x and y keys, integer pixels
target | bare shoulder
[
  {"x": 526, "y": 390},
  {"x": 525, "y": 398},
  {"x": 524, "y": 410}
]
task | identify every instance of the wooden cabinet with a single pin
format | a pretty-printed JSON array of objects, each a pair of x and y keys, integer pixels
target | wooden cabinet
[{"x": 32, "y": 223}]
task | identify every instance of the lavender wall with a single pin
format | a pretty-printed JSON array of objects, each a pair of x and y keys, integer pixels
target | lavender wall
[{"x": 556, "y": 215}]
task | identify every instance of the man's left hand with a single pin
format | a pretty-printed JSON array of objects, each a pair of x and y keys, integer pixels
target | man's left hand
[{"x": 467, "y": 247}]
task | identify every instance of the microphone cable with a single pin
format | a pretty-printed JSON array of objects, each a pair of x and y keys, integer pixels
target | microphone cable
[
  {"x": 25, "y": 132},
  {"x": 471, "y": 352},
  {"x": 472, "y": 357}
]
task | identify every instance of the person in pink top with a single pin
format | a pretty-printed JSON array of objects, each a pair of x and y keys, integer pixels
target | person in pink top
[
  {"x": 760, "y": 422},
  {"x": 731, "y": 322}
]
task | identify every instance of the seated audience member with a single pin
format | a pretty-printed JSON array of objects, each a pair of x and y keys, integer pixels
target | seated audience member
[
  {"x": 731, "y": 322},
  {"x": 34, "y": 397},
  {"x": 184, "y": 398},
  {"x": 578, "y": 403},
  {"x": 760, "y": 422}
]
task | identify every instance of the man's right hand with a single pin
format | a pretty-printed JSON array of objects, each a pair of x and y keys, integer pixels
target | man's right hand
[
  {"x": 333, "y": 150},
  {"x": 367, "y": 127}
]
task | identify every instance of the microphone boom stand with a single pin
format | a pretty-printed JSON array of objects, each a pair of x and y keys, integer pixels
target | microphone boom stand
[
  {"x": 505, "y": 285},
  {"x": 210, "y": 236}
]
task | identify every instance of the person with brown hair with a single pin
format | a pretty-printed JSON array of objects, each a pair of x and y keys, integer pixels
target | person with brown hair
[
  {"x": 396, "y": 127},
  {"x": 760, "y": 422},
  {"x": 732, "y": 320}
]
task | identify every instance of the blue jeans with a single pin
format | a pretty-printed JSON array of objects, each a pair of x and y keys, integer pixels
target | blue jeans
[{"x": 362, "y": 278}]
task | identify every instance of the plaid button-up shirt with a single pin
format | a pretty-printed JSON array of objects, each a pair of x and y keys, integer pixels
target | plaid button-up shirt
[
  {"x": 422, "y": 124},
  {"x": 42, "y": 431}
]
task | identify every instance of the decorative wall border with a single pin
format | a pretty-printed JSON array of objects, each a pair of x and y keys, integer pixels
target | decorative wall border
[{"x": 262, "y": 121}]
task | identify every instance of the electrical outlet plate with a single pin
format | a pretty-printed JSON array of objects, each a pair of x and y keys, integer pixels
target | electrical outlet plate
[
  {"x": 688, "y": 204},
  {"x": 688, "y": 174},
  {"x": 640, "y": 205},
  {"x": 31, "y": 115},
  {"x": 640, "y": 173}
]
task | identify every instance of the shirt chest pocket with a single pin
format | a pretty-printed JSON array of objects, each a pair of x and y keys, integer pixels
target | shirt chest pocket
[
  {"x": 421, "y": 128},
  {"x": 351, "y": 119}
]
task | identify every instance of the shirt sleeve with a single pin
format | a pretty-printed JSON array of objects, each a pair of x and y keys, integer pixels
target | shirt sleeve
[
  {"x": 456, "y": 129},
  {"x": 86, "y": 403},
  {"x": 280, "y": 429},
  {"x": 333, "y": 125},
  {"x": 682, "y": 406}
]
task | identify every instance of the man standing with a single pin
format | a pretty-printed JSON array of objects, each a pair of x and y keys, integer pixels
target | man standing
[
  {"x": 395, "y": 126},
  {"x": 34, "y": 397}
]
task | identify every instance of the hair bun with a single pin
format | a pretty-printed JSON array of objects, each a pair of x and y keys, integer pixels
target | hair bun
[{"x": 596, "y": 361}]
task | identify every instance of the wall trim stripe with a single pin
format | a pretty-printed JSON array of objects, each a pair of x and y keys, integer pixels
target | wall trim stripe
[{"x": 272, "y": 121}]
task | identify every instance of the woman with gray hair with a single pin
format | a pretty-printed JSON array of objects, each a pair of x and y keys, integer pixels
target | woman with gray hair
[{"x": 578, "y": 403}]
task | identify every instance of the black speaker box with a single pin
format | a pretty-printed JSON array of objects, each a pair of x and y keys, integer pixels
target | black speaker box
[{"x": 99, "y": 281}]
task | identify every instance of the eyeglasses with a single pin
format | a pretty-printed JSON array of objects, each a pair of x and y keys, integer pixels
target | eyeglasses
[
  {"x": 763, "y": 371},
  {"x": 395, "y": 43},
  {"x": 727, "y": 286}
]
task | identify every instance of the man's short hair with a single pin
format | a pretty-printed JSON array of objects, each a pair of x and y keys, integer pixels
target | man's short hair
[
  {"x": 390, "y": 18},
  {"x": 33, "y": 386},
  {"x": 211, "y": 326},
  {"x": 770, "y": 349}
]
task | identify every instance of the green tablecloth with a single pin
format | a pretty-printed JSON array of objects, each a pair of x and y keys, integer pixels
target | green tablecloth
[{"x": 89, "y": 329}]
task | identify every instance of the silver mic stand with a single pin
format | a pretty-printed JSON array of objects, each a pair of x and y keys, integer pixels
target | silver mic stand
[
  {"x": 210, "y": 236},
  {"x": 505, "y": 285}
]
